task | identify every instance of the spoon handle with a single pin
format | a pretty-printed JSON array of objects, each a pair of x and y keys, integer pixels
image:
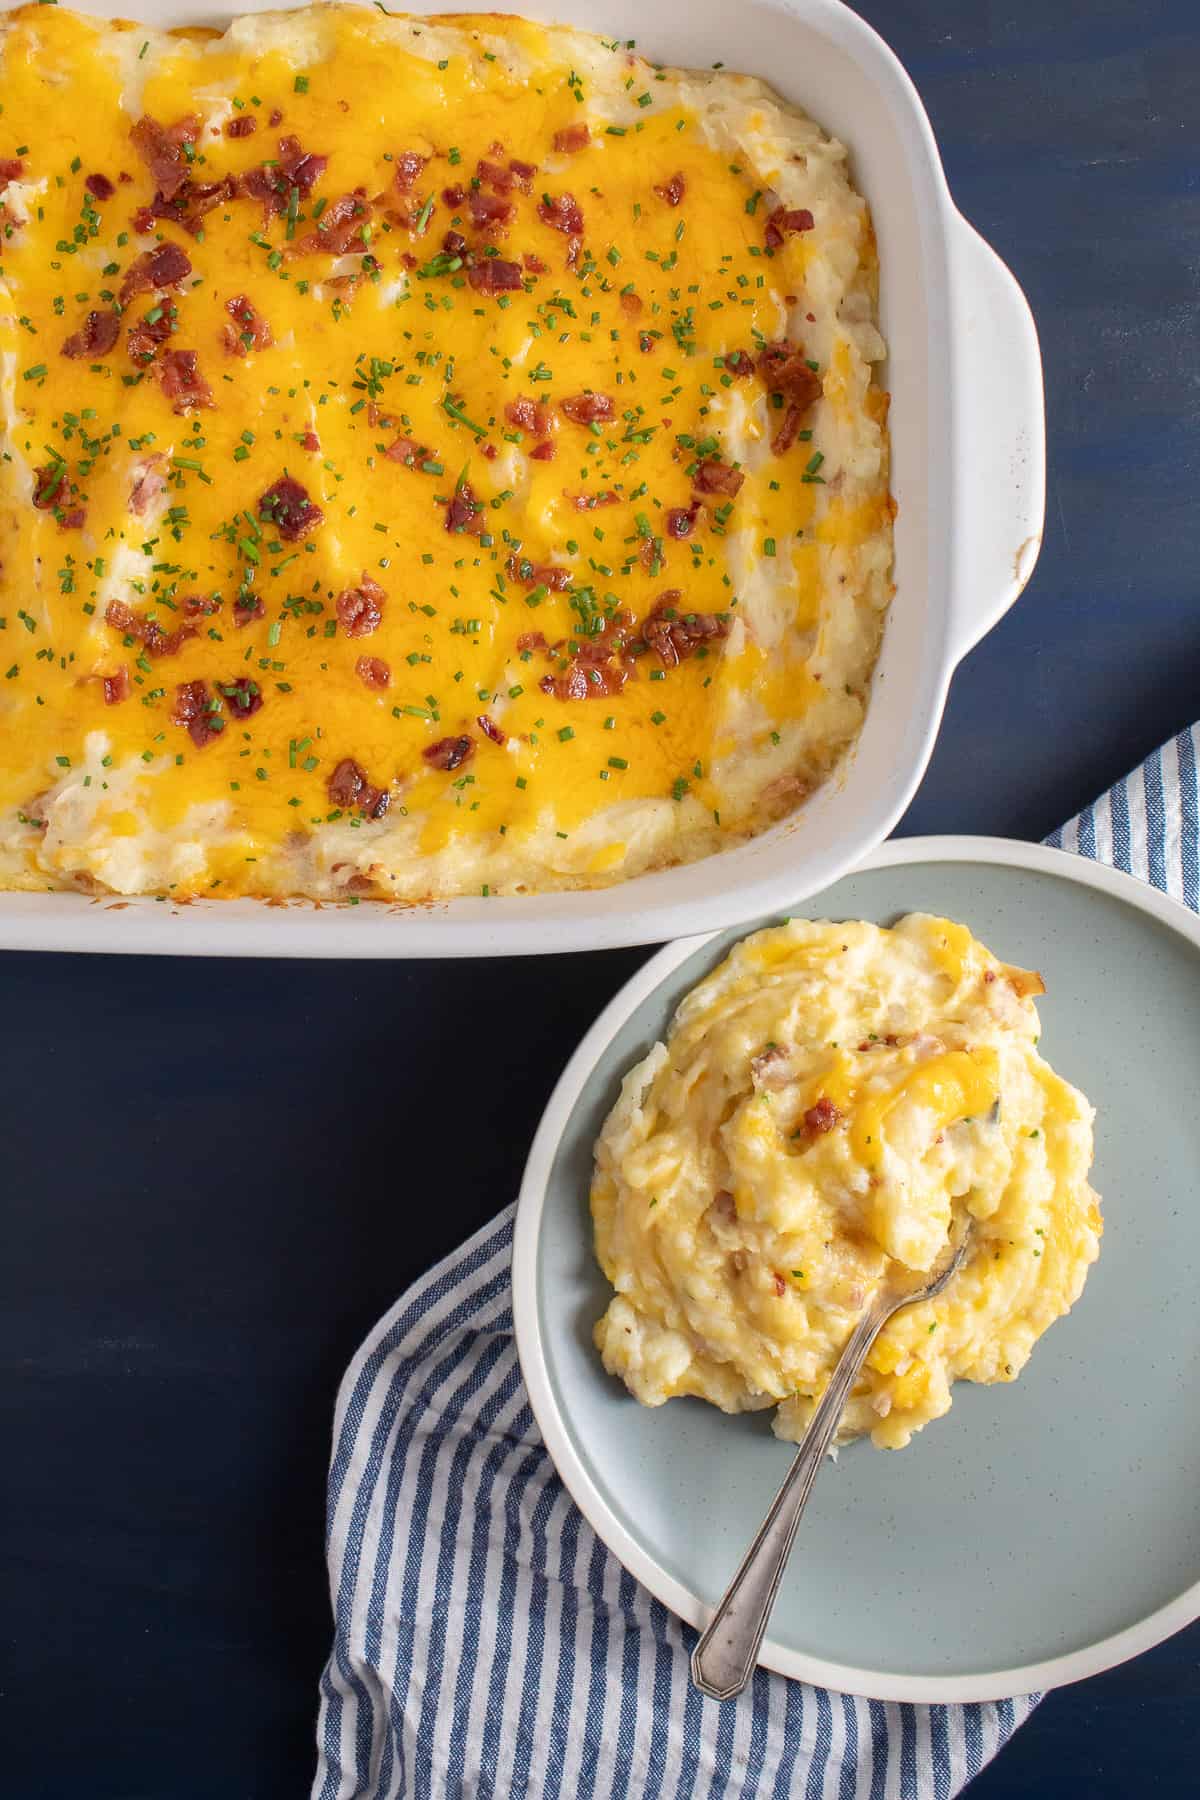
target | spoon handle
[{"x": 725, "y": 1657}]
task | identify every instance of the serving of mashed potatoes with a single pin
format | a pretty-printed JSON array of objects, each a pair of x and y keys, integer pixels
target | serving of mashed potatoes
[{"x": 826, "y": 1104}]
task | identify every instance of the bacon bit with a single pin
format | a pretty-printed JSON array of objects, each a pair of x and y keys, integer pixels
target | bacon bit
[
  {"x": 739, "y": 364},
  {"x": 784, "y": 223},
  {"x": 340, "y": 226},
  {"x": 562, "y": 213},
  {"x": 95, "y": 337},
  {"x": 785, "y": 437},
  {"x": 182, "y": 382},
  {"x": 100, "y": 187},
  {"x": 586, "y": 502},
  {"x": 716, "y": 477},
  {"x": 148, "y": 485},
  {"x": 349, "y": 787},
  {"x": 310, "y": 441},
  {"x": 163, "y": 267},
  {"x": 247, "y": 608},
  {"x": 491, "y": 275},
  {"x": 11, "y": 169},
  {"x": 572, "y": 138},
  {"x": 201, "y": 606},
  {"x": 543, "y": 452},
  {"x": 243, "y": 695},
  {"x": 821, "y": 1118},
  {"x": 594, "y": 673},
  {"x": 408, "y": 167},
  {"x": 51, "y": 490},
  {"x": 360, "y": 609},
  {"x": 672, "y": 191},
  {"x": 116, "y": 687},
  {"x": 161, "y": 148},
  {"x": 503, "y": 180},
  {"x": 784, "y": 370},
  {"x": 147, "y": 632},
  {"x": 648, "y": 341},
  {"x": 779, "y": 1283},
  {"x": 455, "y": 244},
  {"x": 286, "y": 505},
  {"x": 373, "y": 672},
  {"x": 407, "y": 451},
  {"x": 680, "y": 521},
  {"x": 533, "y": 640},
  {"x": 249, "y": 330},
  {"x": 276, "y": 118},
  {"x": 631, "y": 305},
  {"x": 490, "y": 729},
  {"x": 534, "y": 264},
  {"x": 529, "y": 415},
  {"x": 189, "y": 207},
  {"x": 489, "y": 212},
  {"x": 245, "y": 125},
  {"x": 524, "y": 172},
  {"x": 586, "y": 409},
  {"x": 454, "y": 196},
  {"x": 449, "y": 752},
  {"x": 272, "y": 182},
  {"x": 142, "y": 340},
  {"x": 463, "y": 511},
  {"x": 675, "y": 635},
  {"x": 199, "y": 711},
  {"x": 531, "y": 575}
]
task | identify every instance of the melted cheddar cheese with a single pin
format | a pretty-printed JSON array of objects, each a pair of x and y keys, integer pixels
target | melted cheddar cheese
[
  {"x": 439, "y": 456},
  {"x": 826, "y": 1105}
]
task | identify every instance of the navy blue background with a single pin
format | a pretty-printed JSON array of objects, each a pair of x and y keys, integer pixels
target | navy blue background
[{"x": 217, "y": 1175}]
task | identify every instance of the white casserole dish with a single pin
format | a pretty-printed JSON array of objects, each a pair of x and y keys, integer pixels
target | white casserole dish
[{"x": 968, "y": 445}]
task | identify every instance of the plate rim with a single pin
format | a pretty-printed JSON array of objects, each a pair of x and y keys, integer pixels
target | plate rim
[{"x": 874, "y": 1684}]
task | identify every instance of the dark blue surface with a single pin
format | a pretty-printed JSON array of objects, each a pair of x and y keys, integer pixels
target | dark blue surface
[{"x": 219, "y": 1174}]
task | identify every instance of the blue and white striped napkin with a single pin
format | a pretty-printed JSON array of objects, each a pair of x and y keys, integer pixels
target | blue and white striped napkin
[{"x": 488, "y": 1647}]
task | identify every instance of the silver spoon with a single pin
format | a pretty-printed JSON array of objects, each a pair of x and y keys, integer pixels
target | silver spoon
[{"x": 725, "y": 1657}]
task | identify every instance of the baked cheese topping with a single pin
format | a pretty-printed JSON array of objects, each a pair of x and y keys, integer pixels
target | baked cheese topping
[
  {"x": 827, "y": 1105},
  {"x": 438, "y": 457}
]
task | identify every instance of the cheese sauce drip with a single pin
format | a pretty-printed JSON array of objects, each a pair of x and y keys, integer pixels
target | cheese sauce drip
[{"x": 341, "y": 554}]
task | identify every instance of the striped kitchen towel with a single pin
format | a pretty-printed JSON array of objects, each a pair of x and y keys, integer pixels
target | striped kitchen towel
[{"x": 488, "y": 1647}]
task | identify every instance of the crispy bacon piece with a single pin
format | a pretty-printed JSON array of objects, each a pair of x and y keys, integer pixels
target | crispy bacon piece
[
  {"x": 360, "y": 609},
  {"x": 406, "y": 450},
  {"x": 199, "y": 711},
  {"x": 529, "y": 415},
  {"x": 463, "y": 511},
  {"x": 247, "y": 607},
  {"x": 408, "y": 167},
  {"x": 596, "y": 671},
  {"x": 11, "y": 169},
  {"x": 249, "y": 330},
  {"x": 200, "y": 606},
  {"x": 100, "y": 187},
  {"x": 373, "y": 672},
  {"x": 739, "y": 364},
  {"x": 95, "y": 337},
  {"x": 586, "y": 502},
  {"x": 163, "y": 149},
  {"x": 631, "y": 305},
  {"x": 490, "y": 729},
  {"x": 244, "y": 125},
  {"x": 449, "y": 752},
  {"x": 785, "y": 370},
  {"x": 286, "y": 505},
  {"x": 117, "y": 687},
  {"x": 543, "y": 452},
  {"x": 351, "y": 788},
  {"x": 533, "y": 640},
  {"x": 681, "y": 521},
  {"x": 671, "y": 191},
  {"x": 496, "y": 176},
  {"x": 780, "y": 1285},
  {"x": 339, "y": 228},
  {"x": 182, "y": 382},
  {"x": 52, "y": 492},
  {"x": 149, "y": 483},
  {"x": 272, "y": 182},
  {"x": 142, "y": 340},
  {"x": 586, "y": 409},
  {"x": 531, "y": 575},
  {"x": 146, "y": 632},
  {"x": 715, "y": 477},
  {"x": 454, "y": 196},
  {"x": 563, "y": 213},
  {"x": 311, "y": 441},
  {"x": 786, "y": 223},
  {"x": 821, "y": 1118},
  {"x": 534, "y": 264},
  {"x": 163, "y": 267},
  {"x": 572, "y": 138},
  {"x": 492, "y": 275},
  {"x": 189, "y": 207},
  {"x": 524, "y": 172},
  {"x": 243, "y": 696},
  {"x": 489, "y": 212},
  {"x": 675, "y": 635}
]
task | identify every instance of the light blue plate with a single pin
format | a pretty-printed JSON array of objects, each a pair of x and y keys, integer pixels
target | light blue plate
[{"x": 1042, "y": 1530}]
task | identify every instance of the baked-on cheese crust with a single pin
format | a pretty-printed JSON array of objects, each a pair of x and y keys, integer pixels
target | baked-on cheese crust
[
  {"x": 825, "y": 1101},
  {"x": 440, "y": 456}
]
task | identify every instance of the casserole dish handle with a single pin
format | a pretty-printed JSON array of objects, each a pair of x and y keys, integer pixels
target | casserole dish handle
[{"x": 998, "y": 438}]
